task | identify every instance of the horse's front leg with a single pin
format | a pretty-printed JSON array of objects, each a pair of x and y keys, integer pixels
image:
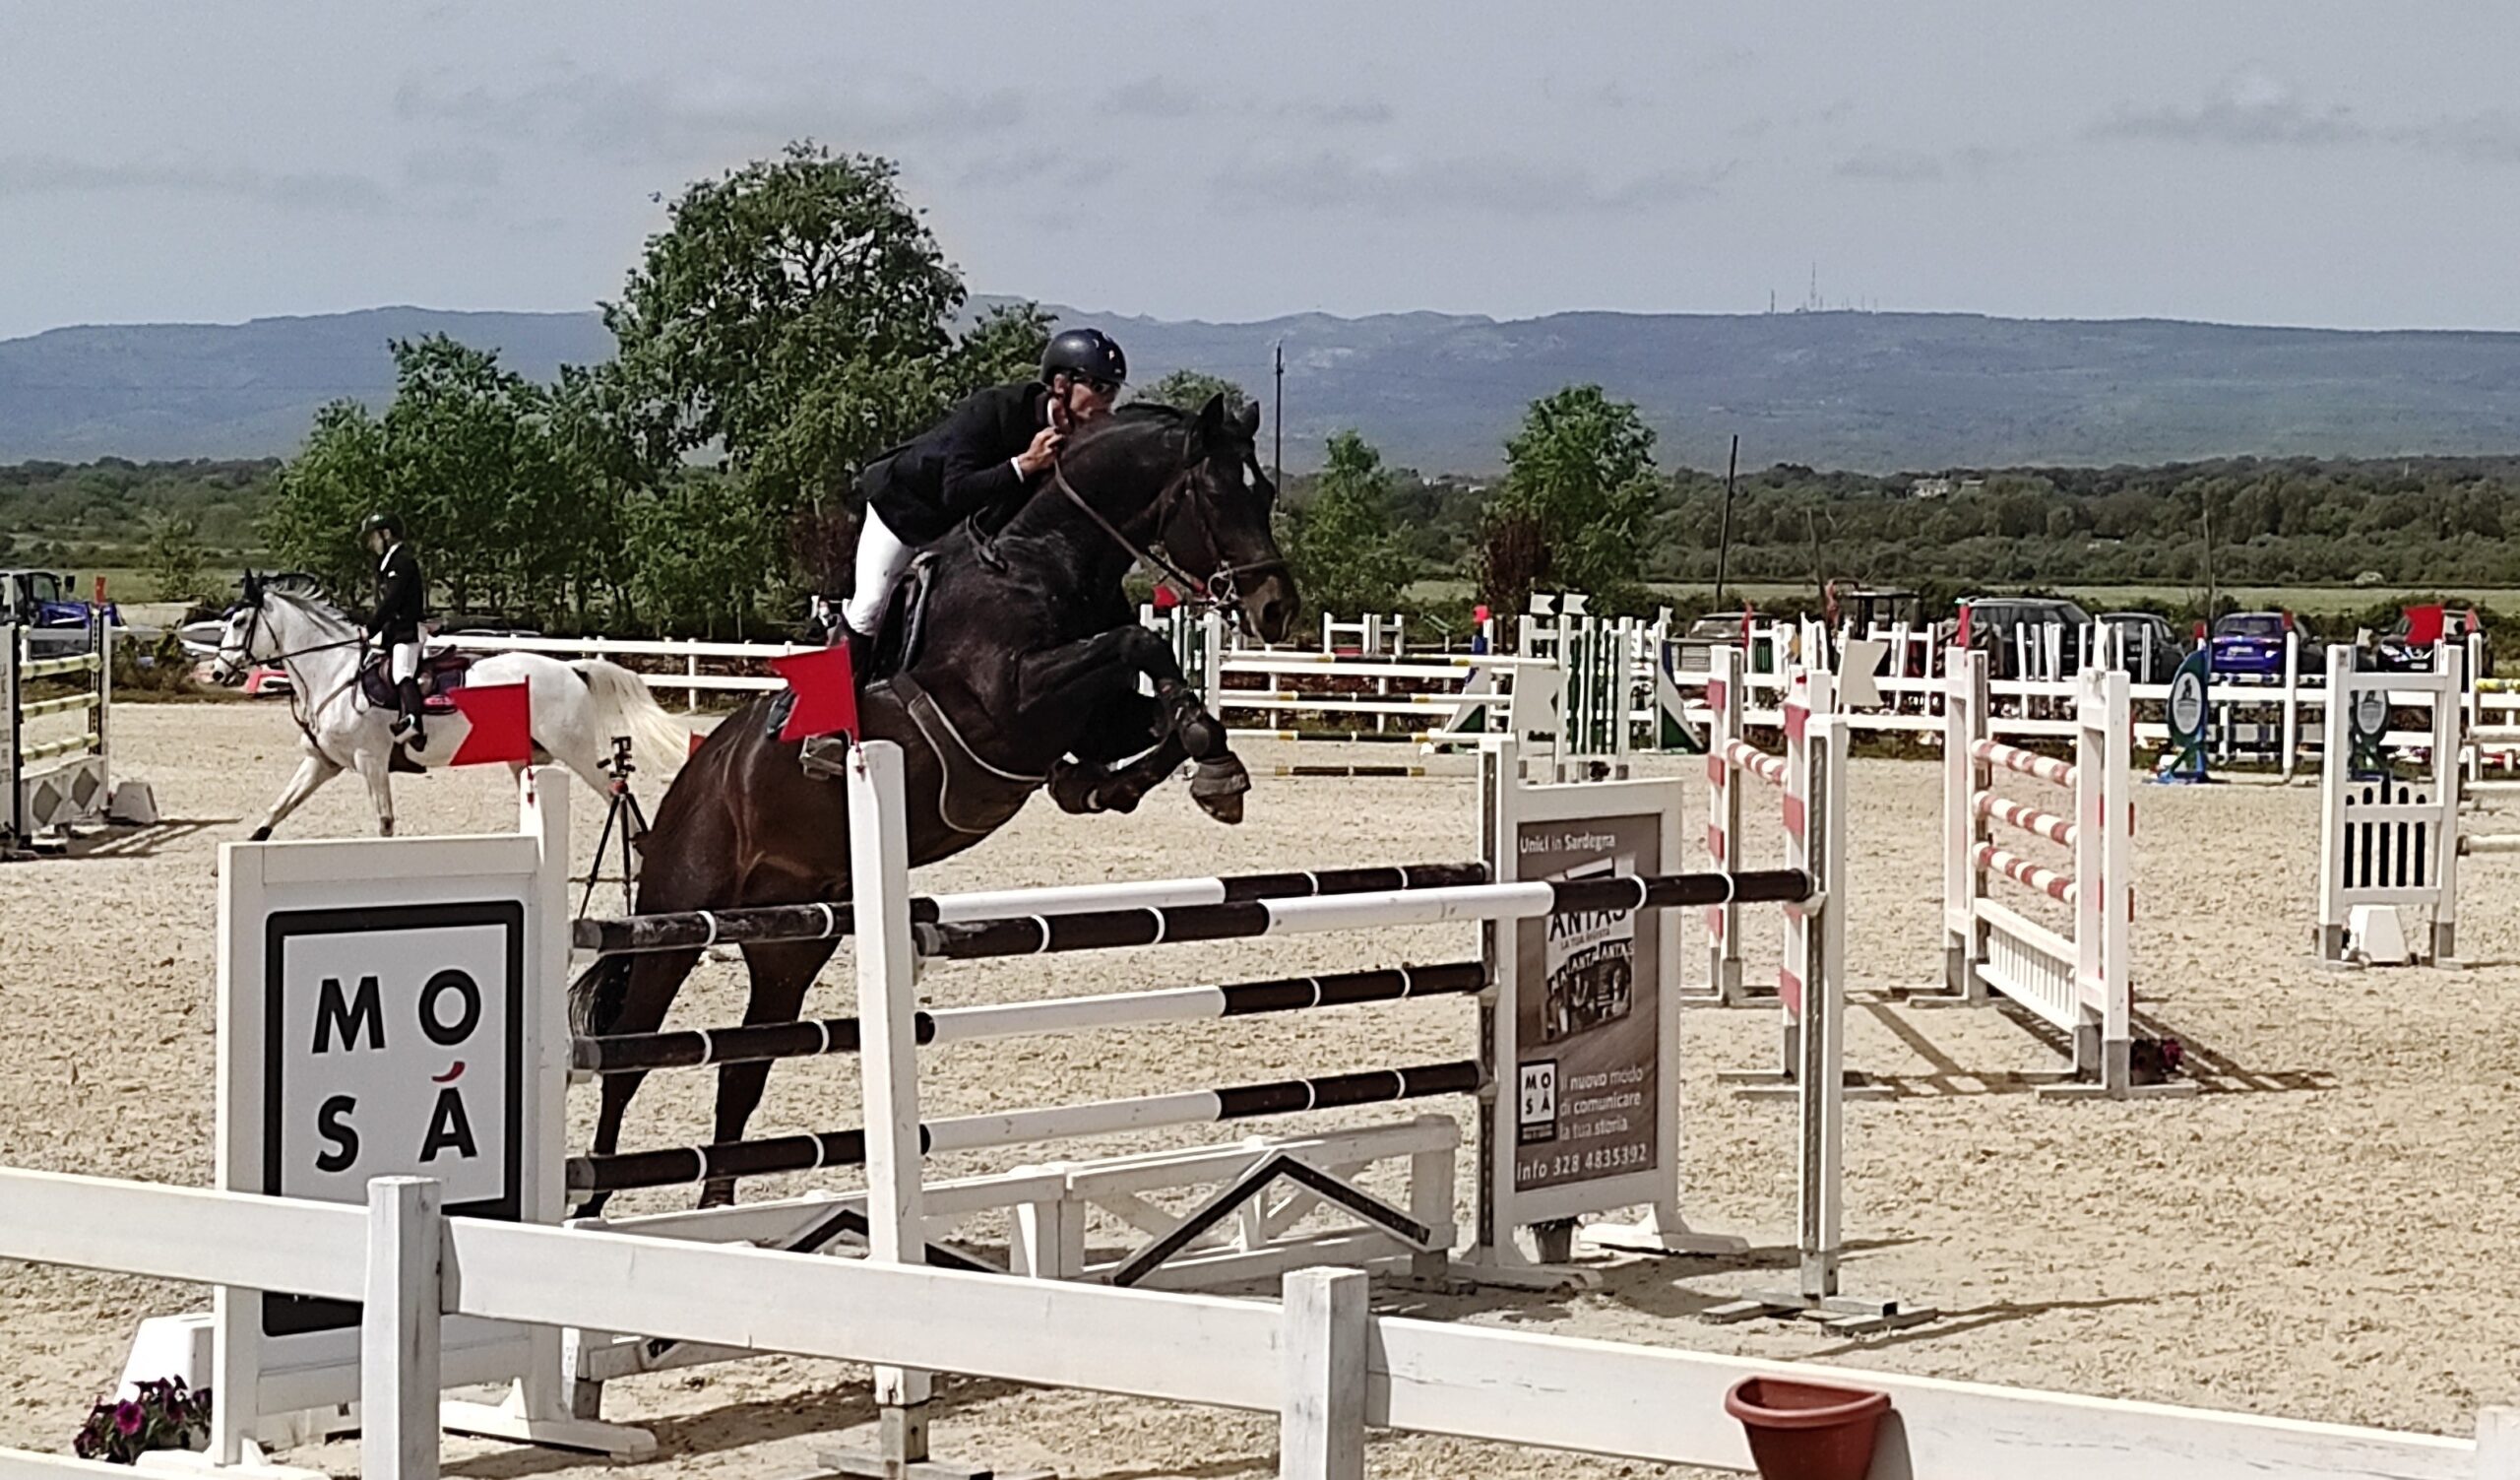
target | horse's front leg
[
  {"x": 1090, "y": 691},
  {"x": 312, "y": 772},
  {"x": 376, "y": 768}
]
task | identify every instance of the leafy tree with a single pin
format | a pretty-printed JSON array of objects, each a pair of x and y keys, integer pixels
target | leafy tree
[
  {"x": 706, "y": 553},
  {"x": 173, "y": 560},
  {"x": 1190, "y": 389},
  {"x": 1582, "y": 471},
  {"x": 1344, "y": 556},
  {"x": 335, "y": 480},
  {"x": 795, "y": 316}
]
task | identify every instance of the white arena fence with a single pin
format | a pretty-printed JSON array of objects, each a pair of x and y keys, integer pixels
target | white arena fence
[
  {"x": 1330, "y": 1368},
  {"x": 1364, "y": 685}
]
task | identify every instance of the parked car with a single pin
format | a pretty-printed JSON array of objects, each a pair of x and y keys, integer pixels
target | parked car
[
  {"x": 2250, "y": 645},
  {"x": 2148, "y": 646},
  {"x": 2393, "y": 654},
  {"x": 1996, "y": 624}
]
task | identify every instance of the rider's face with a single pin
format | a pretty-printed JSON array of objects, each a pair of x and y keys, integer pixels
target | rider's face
[
  {"x": 1089, "y": 400},
  {"x": 374, "y": 539}
]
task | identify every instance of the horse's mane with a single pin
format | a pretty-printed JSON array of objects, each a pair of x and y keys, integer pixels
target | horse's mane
[{"x": 304, "y": 592}]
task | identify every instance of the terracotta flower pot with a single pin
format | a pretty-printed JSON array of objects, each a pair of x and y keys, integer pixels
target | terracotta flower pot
[{"x": 1807, "y": 1431}]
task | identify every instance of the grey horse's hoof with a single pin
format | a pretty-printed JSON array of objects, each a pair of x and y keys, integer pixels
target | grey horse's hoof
[{"x": 1217, "y": 786}]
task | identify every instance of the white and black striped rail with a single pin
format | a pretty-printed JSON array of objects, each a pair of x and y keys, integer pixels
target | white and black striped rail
[
  {"x": 695, "y": 1048},
  {"x": 1035, "y": 934},
  {"x": 763, "y": 924},
  {"x": 680, "y": 1165}
]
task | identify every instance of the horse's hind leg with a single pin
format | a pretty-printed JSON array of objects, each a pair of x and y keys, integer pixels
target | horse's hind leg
[
  {"x": 782, "y": 975},
  {"x": 650, "y": 983}
]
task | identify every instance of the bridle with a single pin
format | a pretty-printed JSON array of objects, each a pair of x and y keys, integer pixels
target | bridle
[
  {"x": 300, "y": 705},
  {"x": 1219, "y": 590}
]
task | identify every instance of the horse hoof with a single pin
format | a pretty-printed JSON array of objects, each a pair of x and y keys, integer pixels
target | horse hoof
[
  {"x": 1072, "y": 787},
  {"x": 260, "y": 835},
  {"x": 1219, "y": 786}
]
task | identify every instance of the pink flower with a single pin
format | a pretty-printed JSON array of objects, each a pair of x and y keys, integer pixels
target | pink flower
[{"x": 128, "y": 1418}]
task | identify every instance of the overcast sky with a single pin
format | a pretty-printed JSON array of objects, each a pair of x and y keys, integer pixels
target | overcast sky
[{"x": 2290, "y": 162}]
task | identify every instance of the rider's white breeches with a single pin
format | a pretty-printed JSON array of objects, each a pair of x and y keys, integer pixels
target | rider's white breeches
[
  {"x": 404, "y": 659},
  {"x": 881, "y": 559}
]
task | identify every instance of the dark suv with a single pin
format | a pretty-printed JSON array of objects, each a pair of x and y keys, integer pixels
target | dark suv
[
  {"x": 2148, "y": 646},
  {"x": 1995, "y": 619}
]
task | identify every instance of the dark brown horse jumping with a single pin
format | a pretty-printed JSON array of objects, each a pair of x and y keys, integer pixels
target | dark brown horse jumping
[{"x": 1024, "y": 667}]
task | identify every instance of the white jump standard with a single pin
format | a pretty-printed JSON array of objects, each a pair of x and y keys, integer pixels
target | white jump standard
[
  {"x": 2080, "y": 983},
  {"x": 2389, "y": 843}
]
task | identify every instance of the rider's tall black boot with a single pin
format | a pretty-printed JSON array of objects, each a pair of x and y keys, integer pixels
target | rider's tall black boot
[{"x": 407, "y": 694}]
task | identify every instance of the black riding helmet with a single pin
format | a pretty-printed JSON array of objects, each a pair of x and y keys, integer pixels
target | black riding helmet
[
  {"x": 1088, "y": 355},
  {"x": 390, "y": 524}
]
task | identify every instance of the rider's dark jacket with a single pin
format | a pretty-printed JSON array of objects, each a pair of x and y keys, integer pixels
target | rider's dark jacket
[
  {"x": 402, "y": 598},
  {"x": 963, "y": 464}
]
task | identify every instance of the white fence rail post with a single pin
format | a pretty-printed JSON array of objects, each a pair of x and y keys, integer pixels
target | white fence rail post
[
  {"x": 399, "y": 1329},
  {"x": 1321, "y": 1416}
]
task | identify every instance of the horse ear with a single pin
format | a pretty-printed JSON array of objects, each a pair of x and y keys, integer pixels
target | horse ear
[
  {"x": 1248, "y": 423},
  {"x": 1212, "y": 417},
  {"x": 253, "y": 588}
]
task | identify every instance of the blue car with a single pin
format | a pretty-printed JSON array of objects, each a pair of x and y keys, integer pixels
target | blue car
[{"x": 2250, "y": 645}]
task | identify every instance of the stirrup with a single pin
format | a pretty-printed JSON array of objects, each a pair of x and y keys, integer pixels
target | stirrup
[{"x": 823, "y": 757}]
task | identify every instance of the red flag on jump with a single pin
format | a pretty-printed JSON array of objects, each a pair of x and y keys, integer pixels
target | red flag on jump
[
  {"x": 826, "y": 693},
  {"x": 502, "y": 720},
  {"x": 1960, "y": 633},
  {"x": 2422, "y": 626}
]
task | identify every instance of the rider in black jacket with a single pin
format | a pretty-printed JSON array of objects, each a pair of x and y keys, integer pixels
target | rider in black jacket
[
  {"x": 402, "y": 604},
  {"x": 984, "y": 458}
]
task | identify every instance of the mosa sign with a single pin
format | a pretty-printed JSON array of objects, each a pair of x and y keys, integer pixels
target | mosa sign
[{"x": 396, "y": 1049}]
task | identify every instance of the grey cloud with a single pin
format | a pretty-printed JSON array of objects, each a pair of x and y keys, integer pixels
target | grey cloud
[
  {"x": 1358, "y": 113},
  {"x": 464, "y": 168},
  {"x": 1909, "y": 166},
  {"x": 2479, "y": 137},
  {"x": 1151, "y": 97},
  {"x": 1334, "y": 181},
  {"x": 683, "y": 114},
  {"x": 1893, "y": 165},
  {"x": 2251, "y": 109},
  {"x": 1036, "y": 167},
  {"x": 301, "y": 190}
]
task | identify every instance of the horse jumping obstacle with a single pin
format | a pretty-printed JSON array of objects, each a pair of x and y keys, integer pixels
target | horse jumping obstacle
[
  {"x": 2387, "y": 842},
  {"x": 50, "y": 785},
  {"x": 2079, "y": 983},
  {"x": 356, "y": 969}
]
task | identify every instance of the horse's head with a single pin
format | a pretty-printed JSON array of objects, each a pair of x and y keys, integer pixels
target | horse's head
[
  {"x": 252, "y": 634},
  {"x": 1215, "y": 521},
  {"x": 238, "y": 639}
]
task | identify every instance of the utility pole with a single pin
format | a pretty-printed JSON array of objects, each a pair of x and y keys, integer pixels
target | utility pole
[
  {"x": 1278, "y": 406},
  {"x": 1724, "y": 538}
]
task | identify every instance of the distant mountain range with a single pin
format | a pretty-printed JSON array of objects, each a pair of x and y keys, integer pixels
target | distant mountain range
[{"x": 1440, "y": 392}]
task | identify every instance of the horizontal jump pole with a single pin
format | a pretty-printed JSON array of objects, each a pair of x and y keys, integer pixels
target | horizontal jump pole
[
  {"x": 2490, "y": 842},
  {"x": 766, "y": 924},
  {"x": 1377, "y": 773},
  {"x": 57, "y": 668},
  {"x": 695, "y": 1048},
  {"x": 1356, "y": 736},
  {"x": 42, "y": 707},
  {"x": 683, "y": 1165},
  {"x": 1103, "y": 931},
  {"x": 2021, "y": 871},
  {"x": 2027, "y": 762},
  {"x": 2029, "y": 819},
  {"x": 1743, "y": 756}
]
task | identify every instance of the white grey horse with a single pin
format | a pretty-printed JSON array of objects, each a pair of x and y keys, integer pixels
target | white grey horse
[{"x": 578, "y": 709}]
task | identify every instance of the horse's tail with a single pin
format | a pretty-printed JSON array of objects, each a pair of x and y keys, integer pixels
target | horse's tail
[
  {"x": 595, "y": 998},
  {"x": 660, "y": 741}
]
